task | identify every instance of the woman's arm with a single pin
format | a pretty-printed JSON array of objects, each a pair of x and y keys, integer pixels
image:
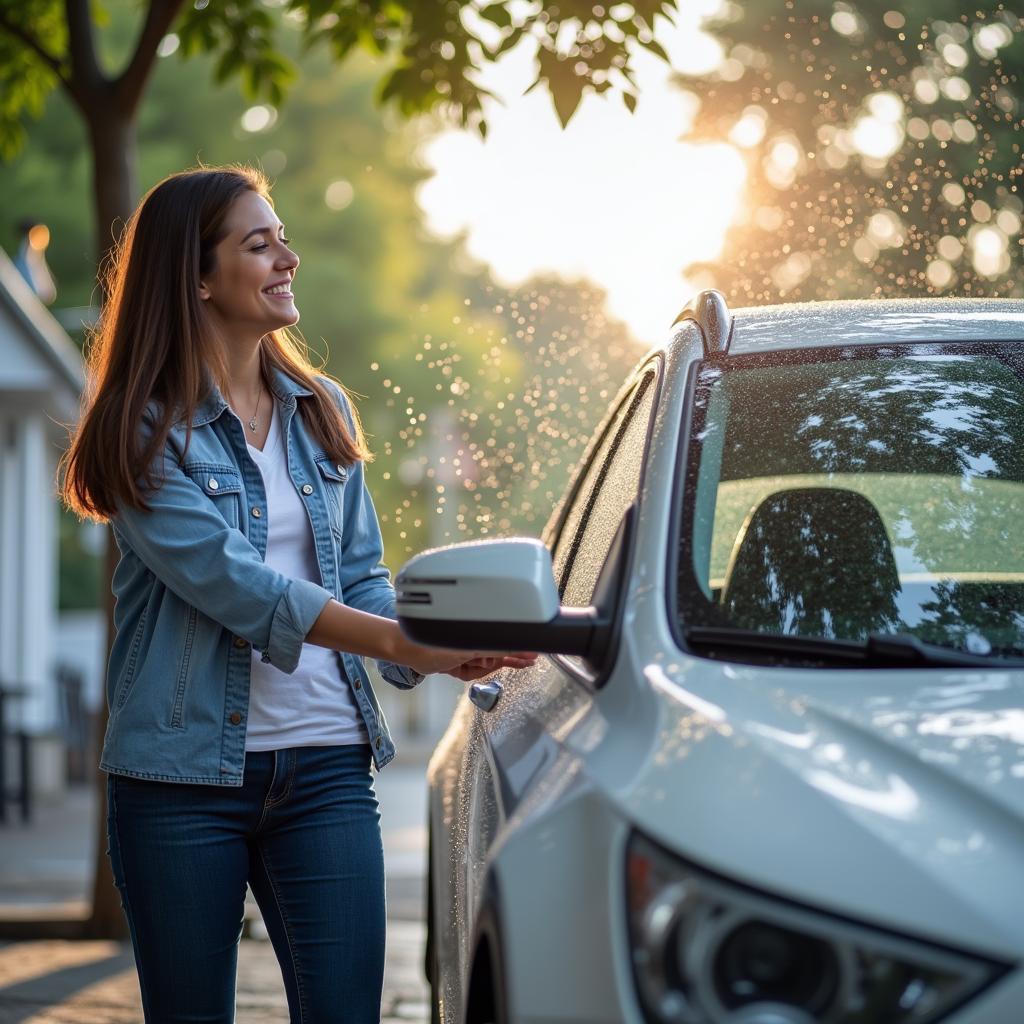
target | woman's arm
[
  {"x": 364, "y": 624},
  {"x": 185, "y": 542},
  {"x": 347, "y": 629}
]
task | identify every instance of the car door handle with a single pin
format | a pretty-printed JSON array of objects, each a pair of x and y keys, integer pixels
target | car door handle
[{"x": 485, "y": 695}]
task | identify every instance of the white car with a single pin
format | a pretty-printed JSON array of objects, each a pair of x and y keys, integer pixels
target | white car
[{"x": 771, "y": 770}]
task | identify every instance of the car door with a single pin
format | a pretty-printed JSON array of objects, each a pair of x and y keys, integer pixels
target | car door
[{"x": 529, "y": 748}]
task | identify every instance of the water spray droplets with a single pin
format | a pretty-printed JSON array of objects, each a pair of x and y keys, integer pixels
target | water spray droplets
[{"x": 492, "y": 419}]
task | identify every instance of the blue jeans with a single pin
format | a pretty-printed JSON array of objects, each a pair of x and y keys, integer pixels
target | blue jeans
[{"x": 304, "y": 832}]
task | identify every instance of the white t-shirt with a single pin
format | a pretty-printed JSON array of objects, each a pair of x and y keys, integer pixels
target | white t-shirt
[{"x": 313, "y": 706}]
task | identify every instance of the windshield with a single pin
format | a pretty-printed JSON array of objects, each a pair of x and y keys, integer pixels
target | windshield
[{"x": 841, "y": 493}]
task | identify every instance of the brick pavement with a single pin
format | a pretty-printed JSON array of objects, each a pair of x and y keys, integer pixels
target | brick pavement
[
  {"x": 69, "y": 982},
  {"x": 45, "y": 869}
]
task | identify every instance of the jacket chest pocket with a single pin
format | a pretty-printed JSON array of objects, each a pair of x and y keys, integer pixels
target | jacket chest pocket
[
  {"x": 223, "y": 486},
  {"x": 334, "y": 477}
]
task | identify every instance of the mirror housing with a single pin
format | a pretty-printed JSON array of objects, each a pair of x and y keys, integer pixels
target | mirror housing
[{"x": 493, "y": 595}]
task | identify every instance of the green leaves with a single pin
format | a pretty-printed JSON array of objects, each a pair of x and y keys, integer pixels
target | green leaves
[
  {"x": 433, "y": 48},
  {"x": 497, "y": 14},
  {"x": 26, "y": 76},
  {"x": 565, "y": 85},
  {"x": 243, "y": 35}
]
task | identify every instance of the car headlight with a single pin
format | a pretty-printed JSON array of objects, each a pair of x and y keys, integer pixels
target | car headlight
[{"x": 706, "y": 951}]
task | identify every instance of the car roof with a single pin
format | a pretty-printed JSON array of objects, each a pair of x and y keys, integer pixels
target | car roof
[{"x": 873, "y": 322}]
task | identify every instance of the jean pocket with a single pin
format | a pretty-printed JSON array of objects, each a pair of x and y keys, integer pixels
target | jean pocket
[
  {"x": 125, "y": 685},
  {"x": 177, "y": 713}
]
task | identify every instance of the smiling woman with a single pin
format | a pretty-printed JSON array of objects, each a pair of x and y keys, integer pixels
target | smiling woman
[
  {"x": 158, "y": 350},
  {"x": 249, "y": 291},
  {"x": 242, "y": 720}
]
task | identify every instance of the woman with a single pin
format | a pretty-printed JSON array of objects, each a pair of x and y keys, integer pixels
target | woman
[{"x": 242, "y": 721}]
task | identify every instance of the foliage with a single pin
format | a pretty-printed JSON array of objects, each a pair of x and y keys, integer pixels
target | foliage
[
  {"x": 433, "y": 48},
  {"x": 79, "y": 578},
  {"x": 25, "y": 79},
  {"x": 884, "y": 147},
  {"x": 386, "y": 305}
]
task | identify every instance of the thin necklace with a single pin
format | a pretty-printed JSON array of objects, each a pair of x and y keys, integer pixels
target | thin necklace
[{"x": 252, "y": 422}]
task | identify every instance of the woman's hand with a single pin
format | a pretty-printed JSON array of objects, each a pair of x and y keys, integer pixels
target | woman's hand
[
  {"x": 346, "y": 629},
  {"x": 476, "y": 668},
  {"x": 464, "y": 665}
]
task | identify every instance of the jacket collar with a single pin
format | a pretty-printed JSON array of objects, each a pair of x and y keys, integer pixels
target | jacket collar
[{"x": 283, "y": 388}]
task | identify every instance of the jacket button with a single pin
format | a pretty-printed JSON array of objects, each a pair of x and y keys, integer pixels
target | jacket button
[
  {"x": 256, "y": 512},
  {"x": 306, "y": 489},
  {"x": 340, "y": 468},
  {"x": 377, "y": 743},
  {"x": 235, "y": 718},
  {"x": 212, "y": 484},
  {"x": 240, "y": 641},
  {"x": 358, "y": 685}
]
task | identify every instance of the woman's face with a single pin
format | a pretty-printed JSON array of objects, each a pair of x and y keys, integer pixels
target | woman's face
[{"x": 249, "y": 291}]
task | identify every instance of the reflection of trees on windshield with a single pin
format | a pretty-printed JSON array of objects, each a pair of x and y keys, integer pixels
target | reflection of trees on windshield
[
  {"x": 961, "y": 614},
  {"x": 814, "y": 562},
  {"x": 959, "y": 417},
  {"x": 952, "y": 422}
]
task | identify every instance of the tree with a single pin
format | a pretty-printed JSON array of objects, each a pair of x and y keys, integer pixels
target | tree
[
  {"x": 434, "y": 50},
  {"x": 883, "y": 143},
  {"x": 473, "y": 361},
  {"x": 434, "y": 47}
]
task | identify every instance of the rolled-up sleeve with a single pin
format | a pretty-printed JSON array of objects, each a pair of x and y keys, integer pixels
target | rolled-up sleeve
[{"x": 185, "y": 542}]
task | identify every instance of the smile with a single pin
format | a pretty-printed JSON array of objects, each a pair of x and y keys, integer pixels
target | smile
[{"x": 279, "y": 290}]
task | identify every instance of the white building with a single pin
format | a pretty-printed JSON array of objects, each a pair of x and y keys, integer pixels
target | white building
[{"x": 41, "y": 379}]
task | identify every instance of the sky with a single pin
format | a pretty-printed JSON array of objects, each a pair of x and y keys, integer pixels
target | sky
[{"x": 623, "y": 200}]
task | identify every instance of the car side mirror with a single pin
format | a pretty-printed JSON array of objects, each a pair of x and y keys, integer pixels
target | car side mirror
[{"x": 493, "y": 595}]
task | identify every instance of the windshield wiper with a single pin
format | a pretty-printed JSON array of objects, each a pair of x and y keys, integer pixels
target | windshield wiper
[{"x": 900, "y": 650}]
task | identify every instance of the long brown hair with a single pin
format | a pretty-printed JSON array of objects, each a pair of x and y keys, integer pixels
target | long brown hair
[{"x": 153, "y": 342}]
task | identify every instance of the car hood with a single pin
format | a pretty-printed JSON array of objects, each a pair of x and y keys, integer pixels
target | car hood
[{"x": 896, "y": 796}]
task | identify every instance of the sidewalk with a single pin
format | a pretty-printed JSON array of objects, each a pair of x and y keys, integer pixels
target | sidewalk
[
  {"x": 60, "y": 982},
  {"x": 46, "y": 871}
]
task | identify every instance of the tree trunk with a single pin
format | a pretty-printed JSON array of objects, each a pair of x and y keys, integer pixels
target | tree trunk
[
  {"x": 114, "y": 186},
  {"x": 112, "y": 138}
]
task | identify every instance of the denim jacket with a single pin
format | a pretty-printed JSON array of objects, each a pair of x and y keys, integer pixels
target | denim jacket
[{"x": 194, "y": 595}]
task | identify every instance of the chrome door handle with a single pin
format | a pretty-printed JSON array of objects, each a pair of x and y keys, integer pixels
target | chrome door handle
[{"x": 485, "y": 695}]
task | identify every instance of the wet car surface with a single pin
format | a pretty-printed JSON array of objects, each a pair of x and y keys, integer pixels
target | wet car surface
[{"x": 771, "y": 770}]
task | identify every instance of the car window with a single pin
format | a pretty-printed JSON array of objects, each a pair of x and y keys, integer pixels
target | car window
[
  {"x": 581, "y": 494},
  {"x": 612, "y": 485},
  {"x": 860, "y": 492}
]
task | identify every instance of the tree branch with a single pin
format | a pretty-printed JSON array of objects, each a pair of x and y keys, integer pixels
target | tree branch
[
  {"x": 26, "y": 37},
  {"x": 131, "y": 83},
  {"x": 85, "y": 69}
]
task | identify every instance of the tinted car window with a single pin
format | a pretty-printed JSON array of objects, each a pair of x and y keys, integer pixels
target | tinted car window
[
  {"x": 580, "y": 498},
  {"x": 846, "y": 493},
  {"x": 614, "y": 485}
]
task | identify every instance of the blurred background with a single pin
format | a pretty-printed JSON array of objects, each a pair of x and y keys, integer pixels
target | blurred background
[{"x": 482, "y": 261}]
